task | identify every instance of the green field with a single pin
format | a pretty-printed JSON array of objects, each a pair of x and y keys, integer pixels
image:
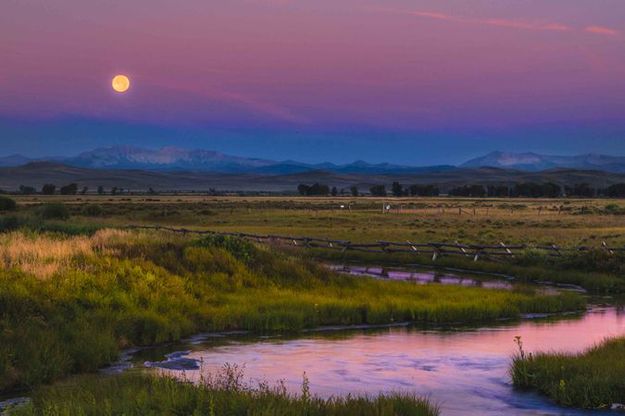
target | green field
[{"x": 566, "y": 222}]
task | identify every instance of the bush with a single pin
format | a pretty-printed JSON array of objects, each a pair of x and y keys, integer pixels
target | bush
[
  {"x": 54, "y": 212},
  {"x": 93, "y": 210},
  {"x": 7, "y": 204}
]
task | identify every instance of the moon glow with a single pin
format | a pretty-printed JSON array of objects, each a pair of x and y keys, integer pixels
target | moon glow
[{"x": 120, "y": 83}]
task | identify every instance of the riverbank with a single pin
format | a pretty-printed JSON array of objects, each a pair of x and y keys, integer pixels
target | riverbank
[
  {"x": 592, "y": 379},
  {"x": 226, "y": 394},
  {"x": 597, "y": 272},
  {"x": 71, "y": 302}
]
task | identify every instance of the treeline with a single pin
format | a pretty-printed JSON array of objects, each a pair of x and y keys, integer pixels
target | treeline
[
  {"x": 539, "y": 190},
  {"x": 376, "y": 190},
  {"x": 524, "y": 189},
  {"x": 72, "y": 189}
]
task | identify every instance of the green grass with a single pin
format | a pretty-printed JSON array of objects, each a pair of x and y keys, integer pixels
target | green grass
[
  {"x": 68, "y": 304},
  {"x": 592, "y": 379},
  {"x": 141, "y": 395}
]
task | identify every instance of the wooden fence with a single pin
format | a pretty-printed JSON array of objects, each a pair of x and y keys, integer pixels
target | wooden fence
[{"x": 434, "y": 249}]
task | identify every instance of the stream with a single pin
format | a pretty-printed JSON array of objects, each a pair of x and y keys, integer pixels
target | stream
[{"x": 462, "y": 369}]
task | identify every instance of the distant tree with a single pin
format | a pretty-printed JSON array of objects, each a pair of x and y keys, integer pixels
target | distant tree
[
  {"x": 615, "y": 191},
  {"x": 334, "y": 191},
  {"x": 397, "y": 189},
  {"x": 48, "y": 189},
  {"x": 114, "y": 190},
  {"x": 583, "y": 190},
  {"x": 475, "y": 191},
  {"x": 84, "y": 190},
  {"x": 423, "y": 190},
  {"x": 70, "y": 189},
  {"x": 315, "y": 189},
  {"x": 100, "y": 190},
  {"x": 27, "y": 190},
  {"x": 354, "y": 190},
  {"x": 378, "y": 190},
  {"x": 497, "y": 190},
  {"x": 319, "y": 190},
  {"x": 303, "y": 189},
  {"x": 151, "y": 191}
]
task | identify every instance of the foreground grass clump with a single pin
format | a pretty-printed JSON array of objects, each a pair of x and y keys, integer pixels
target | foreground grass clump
[
  {"x": 592, "y": 379},
  {"x": 68, "y": 304},
  {"x": 135, "y": 394}
]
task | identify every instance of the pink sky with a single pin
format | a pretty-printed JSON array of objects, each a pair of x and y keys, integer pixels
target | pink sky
[{"x": 316, "y": 64}]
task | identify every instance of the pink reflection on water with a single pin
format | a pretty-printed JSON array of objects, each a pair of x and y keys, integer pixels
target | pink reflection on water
[{"x": 465, "y": 372}]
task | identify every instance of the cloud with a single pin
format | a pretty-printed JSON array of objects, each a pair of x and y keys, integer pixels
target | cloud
[
  {"x": 601, "y": 30},
  {"x": 507, "y": 23}
]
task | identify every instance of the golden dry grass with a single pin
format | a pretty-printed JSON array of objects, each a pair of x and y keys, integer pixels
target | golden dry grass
[{"x": 44, "y": 255}]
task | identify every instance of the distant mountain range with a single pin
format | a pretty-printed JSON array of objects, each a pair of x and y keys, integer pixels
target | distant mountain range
[
  {"x": 533, "y": 162},
  {"x": 177, "y": 159},
  {"x": 37, "y": 174},
  {"x": 172, "y": 159}
]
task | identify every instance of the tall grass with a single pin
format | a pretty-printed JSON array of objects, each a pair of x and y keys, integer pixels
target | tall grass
[
  {"x": 594, "y": 378},
  {"x": 94, "y": 295},
  {"x": 136, "y": 394}
]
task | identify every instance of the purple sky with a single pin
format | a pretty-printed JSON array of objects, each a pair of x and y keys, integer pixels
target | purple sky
[{"x": 406, "y": 81}]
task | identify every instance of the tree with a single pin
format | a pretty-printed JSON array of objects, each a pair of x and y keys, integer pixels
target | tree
[
  {"x": 334, "y": 191},
  {"x": 100, "y": 190},
  {"x": 378, "y": 190},
  {"x": 84, "y": 190},
  {"x": 423, "y": 190},
  {"x": 114, "y": 190},
  {"x": 397, "y": 189},
  {"x": 615, "y": 191},
  {"x": 70, "y": 189},
  {"x": 303, "y": 189},
  {"x": 475, "y": 191},
  {"x": 27, "y": 190},
  {"x": 48, "y": 189},
  {"x": 316, "y": 189},
  {"x": 354, "y": 190}
]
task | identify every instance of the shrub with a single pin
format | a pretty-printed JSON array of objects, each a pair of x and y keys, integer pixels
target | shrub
[
  {"x": 92, "y": 210},
  {"x": 54, "y": 212},
  {"x": 7, "y": 204}
]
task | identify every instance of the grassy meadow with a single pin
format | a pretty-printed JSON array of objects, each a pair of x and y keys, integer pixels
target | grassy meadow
[
  {"x": 75, "y": 289},
  {"x": 71, "y": 302},
  {"x": 565, "y": 222},
  {"x": 592, "y": 379}
]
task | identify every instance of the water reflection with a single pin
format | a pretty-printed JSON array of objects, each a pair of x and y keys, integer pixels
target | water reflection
[
  {"x": 419, "y": 277},
  {"x": 465, "y": 371}
]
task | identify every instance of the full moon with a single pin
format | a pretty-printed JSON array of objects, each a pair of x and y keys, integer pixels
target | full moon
[{"x": 120, "y": 83}]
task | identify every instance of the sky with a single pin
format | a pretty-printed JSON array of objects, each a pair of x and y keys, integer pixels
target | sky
[{"x": 416, "y": 82}]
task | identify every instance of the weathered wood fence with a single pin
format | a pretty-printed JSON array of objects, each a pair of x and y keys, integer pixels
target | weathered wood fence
[{"x": 434, "y": 249}]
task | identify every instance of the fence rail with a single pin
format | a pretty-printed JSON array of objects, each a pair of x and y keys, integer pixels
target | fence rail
[{"x": 435, "y": 249}]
